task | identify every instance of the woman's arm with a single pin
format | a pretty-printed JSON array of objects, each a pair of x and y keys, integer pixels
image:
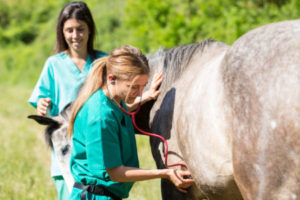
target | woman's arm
[
  {"x": 131, "y": 174},
  {"x": 150, "y": 94}
]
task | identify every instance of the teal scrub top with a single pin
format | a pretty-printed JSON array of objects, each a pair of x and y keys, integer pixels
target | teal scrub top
[
  {"x": 103, "y": 138},
  {"x": 60, "y": 80}
]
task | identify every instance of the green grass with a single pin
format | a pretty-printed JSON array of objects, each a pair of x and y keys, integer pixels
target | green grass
[
  {"x": 145, "y": 190},
  {"x": 25, "y": 159}
]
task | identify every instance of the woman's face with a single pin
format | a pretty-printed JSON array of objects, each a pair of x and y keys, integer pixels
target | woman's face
[
  {"x": 76, "y": 34},
  {"x": 129, "y": 90}
]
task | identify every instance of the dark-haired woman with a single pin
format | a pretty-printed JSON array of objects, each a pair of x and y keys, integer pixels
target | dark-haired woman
[{"x": 66, "y": 70}]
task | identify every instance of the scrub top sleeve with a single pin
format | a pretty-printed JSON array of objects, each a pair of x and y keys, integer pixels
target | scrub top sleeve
[
  {"x": 103, "y": 145},
  {"x": 44, "y": 86}
]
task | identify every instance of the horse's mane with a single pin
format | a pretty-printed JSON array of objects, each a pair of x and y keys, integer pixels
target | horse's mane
[{"x": 174, "y": 60}]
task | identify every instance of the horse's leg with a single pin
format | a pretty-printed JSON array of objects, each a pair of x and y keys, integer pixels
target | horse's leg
[{"x": 169, "y": 191}]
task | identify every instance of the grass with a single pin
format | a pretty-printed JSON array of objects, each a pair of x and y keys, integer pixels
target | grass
[{"x": 25, "y": 159}]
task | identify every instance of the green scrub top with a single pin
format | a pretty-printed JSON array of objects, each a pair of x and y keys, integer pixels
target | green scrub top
[
  {"x": 103, "y": 138},
  {"x": 60, "y": 80}
]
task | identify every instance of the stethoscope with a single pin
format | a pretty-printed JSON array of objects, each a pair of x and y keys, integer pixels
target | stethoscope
[{"x": 132, "y": 114}]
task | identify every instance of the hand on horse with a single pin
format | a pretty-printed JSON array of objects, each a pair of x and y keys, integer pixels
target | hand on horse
[
  {"x": 42, "y": 106},
  {"x": 178, "y": 177},
  {"x": 153, "y": 92}
]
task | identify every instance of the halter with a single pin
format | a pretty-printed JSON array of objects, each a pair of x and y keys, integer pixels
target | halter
[{"x": 132, "y": 114}]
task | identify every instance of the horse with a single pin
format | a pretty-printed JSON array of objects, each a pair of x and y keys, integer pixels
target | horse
[
  {"x": 57, "y": 138},
  {"x": 231, "y": 114},
  {"x": 193, "y": 69}
]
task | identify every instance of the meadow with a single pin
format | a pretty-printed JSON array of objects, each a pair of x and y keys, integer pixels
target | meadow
[{"x": 27, "y": 38}]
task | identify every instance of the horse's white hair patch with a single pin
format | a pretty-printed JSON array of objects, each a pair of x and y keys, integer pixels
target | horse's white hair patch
[{"x": 273, "y": 124}]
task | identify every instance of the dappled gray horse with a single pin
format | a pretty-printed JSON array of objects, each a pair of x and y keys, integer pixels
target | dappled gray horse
[{"x": 232, "y": 114}]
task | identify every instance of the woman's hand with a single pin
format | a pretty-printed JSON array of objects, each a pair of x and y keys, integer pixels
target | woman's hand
[
  {"x": 178, "y": 177},
  {"x": 153, "y": 92},
  {"x": 42, "y": 106},
  {"x": 150, "y": 94}
]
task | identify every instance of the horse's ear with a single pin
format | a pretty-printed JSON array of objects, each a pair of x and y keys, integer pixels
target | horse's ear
[
  {"x": 66, "y": 113},
  {"x": 43, "y": 120}
]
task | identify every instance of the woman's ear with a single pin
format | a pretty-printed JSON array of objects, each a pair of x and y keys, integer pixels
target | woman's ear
[{"x": 111, "y": 78}]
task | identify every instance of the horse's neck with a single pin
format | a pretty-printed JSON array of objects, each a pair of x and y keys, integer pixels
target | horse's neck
[
  {"x": 66, "y": 113},
  {"x": 201, "y": 121},
  {"x": 199, "y": 60}
]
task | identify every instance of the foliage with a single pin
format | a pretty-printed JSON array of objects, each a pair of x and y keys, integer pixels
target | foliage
[
  {"x": 25, "y": 41},
  {"x": 175, "y": 22},
  {"x": 27, "y": 28}
]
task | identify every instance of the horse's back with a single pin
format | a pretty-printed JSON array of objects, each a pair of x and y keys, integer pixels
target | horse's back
[{"x": 262, "y": 81}]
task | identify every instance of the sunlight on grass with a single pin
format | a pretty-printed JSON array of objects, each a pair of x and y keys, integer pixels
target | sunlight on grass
[
  {"x": 25, "y": 159},
  {"x": 145, "y": 190}
]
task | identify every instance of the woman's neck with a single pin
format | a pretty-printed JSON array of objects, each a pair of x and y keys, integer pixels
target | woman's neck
[
  {"x": 78, "y": 58},
  {"x": 109, "y": 92},
  {"x": 77, "y": 54}
]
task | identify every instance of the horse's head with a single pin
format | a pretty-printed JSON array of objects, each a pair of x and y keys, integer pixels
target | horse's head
[
  {"x": 57, "y": 138},
  {"x": 56, "y": 132}
]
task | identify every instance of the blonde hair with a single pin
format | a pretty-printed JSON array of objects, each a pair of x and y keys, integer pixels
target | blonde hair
[{"x": 124, "y": 63}]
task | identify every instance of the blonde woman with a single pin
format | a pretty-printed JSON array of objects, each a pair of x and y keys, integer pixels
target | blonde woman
[{"x": 104, "y": 161}]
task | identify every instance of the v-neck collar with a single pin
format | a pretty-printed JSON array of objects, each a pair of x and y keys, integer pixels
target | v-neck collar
[
  {"x": 114, "y": 105},
  {"x": 74, "y": 67}
]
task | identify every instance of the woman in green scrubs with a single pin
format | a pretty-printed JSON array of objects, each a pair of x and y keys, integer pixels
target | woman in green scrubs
[{"x": 104, "y": 161}]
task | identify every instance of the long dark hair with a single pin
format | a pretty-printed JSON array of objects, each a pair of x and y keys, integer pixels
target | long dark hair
[{"x": 75, "y": 10}]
